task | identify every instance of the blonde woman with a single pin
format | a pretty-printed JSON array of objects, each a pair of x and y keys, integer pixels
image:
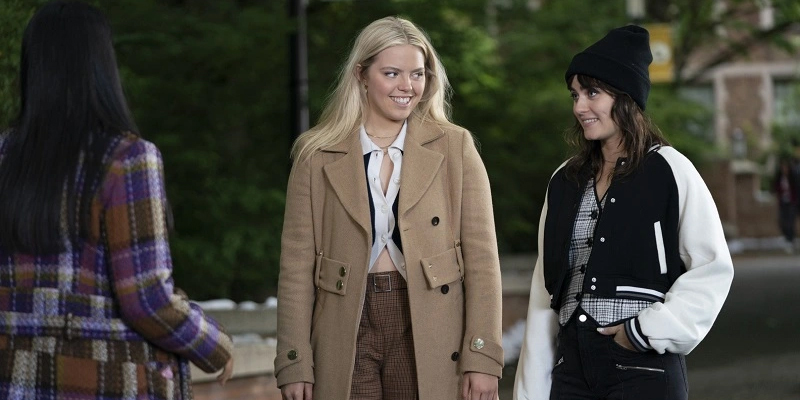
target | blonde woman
[{"x": 390, "y": 281}]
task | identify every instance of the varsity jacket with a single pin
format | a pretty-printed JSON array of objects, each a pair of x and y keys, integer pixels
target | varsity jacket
[{"x": 659, "y": 238}]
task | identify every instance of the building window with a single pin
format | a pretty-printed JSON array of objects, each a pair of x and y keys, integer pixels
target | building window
[
  {"x": 702, "y": 126},
  {"x": 787, "y": 104}
]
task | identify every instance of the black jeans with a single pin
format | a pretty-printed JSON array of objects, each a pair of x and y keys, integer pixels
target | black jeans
[{"x": 592, "y": 366}]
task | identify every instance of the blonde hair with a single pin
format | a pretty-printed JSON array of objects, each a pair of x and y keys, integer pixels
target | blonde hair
[{"x": 346, "y": 106}]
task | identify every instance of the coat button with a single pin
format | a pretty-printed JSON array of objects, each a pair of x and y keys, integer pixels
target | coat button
[
  {"x": 435, "y": 221},
  {"x": 339, "y": 284},
  {"x": 342, "y": 271},
  {"x": 593, "y": 214},
  {"x": 478, "y": 343},
  {"x": 445, "y": 289},
  {"x": 292, "y": 355},
  {"x": 454, "y": 356}
]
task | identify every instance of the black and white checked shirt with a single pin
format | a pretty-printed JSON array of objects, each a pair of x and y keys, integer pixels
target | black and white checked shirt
[{"x": 604, "y": 310}]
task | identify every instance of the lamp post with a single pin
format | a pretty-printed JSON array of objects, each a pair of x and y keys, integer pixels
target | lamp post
[{"x": 298, "y": 69}]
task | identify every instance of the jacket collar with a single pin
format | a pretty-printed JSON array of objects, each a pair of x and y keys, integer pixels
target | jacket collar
[{"x": 420, "y": 166}]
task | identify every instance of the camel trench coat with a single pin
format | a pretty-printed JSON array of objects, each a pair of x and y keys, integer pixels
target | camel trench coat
[{"x": 447, "y": 229}]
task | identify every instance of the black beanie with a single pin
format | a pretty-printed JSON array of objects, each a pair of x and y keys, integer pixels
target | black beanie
[{"x": 619, "y": 59}]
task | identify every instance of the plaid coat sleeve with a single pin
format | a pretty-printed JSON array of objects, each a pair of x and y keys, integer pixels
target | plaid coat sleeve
[{"x": 141, "y": 265}]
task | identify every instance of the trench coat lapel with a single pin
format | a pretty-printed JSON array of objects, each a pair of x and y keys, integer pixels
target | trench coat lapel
[
  {"x": 420, "y": 165},
  {"x": 346, "y": 176}
]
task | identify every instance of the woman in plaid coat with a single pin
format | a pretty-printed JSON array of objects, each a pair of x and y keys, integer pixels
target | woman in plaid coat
[{"x": 88, "y": 309}]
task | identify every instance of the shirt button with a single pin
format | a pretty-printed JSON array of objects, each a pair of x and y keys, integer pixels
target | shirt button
[
  {"x": 383, "y": 238},
  {"x": 384, "y": 209},
  {"x": 602, "y": 239},
  {"x": 402, "y": 266},
  {"x": 582, "y": 318},
  {"x": 396, "y": 156},
  {"x": 397, "y": 180}
]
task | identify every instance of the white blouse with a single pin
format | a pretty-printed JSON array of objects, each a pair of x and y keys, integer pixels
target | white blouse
[{"x": 385, "y": 220}]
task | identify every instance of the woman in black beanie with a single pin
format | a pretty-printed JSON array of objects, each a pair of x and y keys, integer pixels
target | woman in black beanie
[{"x": 633, "y": 265}]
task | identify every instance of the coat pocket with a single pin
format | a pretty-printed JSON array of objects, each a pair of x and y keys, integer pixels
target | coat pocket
[
  {"x": 333, "y": 276},
  {"x": 442, "y": 268}
]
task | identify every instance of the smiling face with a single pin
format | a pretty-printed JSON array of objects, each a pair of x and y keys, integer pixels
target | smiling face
[
  {"x": 395, "y": 82},
  {"x": 592, "y": 108}
]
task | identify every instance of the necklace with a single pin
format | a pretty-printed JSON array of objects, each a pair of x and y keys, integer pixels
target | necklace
[{"x": 382, "y": 137}]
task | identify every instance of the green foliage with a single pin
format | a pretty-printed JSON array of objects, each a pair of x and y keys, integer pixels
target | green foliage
[
  {"x": 206, "y": 82},
  {"x": 14, "y": 14}
]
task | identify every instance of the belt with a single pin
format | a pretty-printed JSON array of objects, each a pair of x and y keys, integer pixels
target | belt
[{"x": 387, "y": 281}]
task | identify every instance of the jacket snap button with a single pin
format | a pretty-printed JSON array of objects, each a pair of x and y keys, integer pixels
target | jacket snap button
[
  {"x": 445, "y": 289},
  {"x": 435, "y": 221}
]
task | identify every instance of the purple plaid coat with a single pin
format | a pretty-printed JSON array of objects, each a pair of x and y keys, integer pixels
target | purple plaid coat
[{"x": 102, "y": 320}]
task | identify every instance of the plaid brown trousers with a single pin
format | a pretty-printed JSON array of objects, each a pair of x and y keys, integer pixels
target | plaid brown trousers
[{"x": 385, "y": 368}]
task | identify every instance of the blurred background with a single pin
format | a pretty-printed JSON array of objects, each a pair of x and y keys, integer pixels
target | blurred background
[{"x": 224, "y": 86}]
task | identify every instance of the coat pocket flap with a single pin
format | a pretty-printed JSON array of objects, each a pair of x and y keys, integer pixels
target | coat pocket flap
[
  {"x": 441, "y": 269},
  {"x": 333, "y": 276}
]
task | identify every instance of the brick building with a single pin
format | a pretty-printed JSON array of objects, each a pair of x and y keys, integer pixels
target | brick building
[{"x": 752, "y": 96}]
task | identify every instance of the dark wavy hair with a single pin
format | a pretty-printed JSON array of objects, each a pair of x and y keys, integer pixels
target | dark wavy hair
[
  {"x": 72, "y": 112},
  {"x": 639, "y": 134}
]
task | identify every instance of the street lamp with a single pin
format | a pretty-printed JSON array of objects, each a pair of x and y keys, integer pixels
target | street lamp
[{"x": 298, "y": 65}]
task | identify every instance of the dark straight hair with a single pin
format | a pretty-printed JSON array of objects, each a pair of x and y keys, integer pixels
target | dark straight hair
[
  {"x": 639, "y": 134},
  {"x": 73, "y": 112}
]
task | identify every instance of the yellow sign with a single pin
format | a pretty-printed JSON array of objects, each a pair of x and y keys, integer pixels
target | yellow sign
[{"x": 661, "y": 70}]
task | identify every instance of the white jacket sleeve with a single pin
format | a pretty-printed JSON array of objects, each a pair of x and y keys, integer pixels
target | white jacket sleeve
[
  {"x": 693, "y": 302},
  {"x": 536, "y": 358}
]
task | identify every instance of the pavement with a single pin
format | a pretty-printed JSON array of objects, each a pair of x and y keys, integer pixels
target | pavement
[
  {"x": 753, "y": 349},
  {"x": 751, "y": 353}
]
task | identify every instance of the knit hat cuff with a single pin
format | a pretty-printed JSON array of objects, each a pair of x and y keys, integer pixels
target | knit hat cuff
[{"x": 608, "y": 70}]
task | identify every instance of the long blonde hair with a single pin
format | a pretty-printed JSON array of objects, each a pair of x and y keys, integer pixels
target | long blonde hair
[{"x": 346, "y": 106}]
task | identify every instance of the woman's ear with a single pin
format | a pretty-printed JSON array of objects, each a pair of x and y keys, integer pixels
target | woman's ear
[{"x": 359, "y": 73}]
